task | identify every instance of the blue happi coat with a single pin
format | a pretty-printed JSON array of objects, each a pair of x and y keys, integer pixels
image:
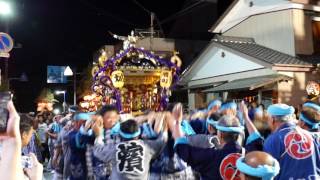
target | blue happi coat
[
  {"x": 78, "y": 167},
  {"x": 297, "y": 151},
  {"x": 168, "y": 161},
  {"x": 95, "y": 167},
  {"x": 199, "y": 126},
  {"x": 214, "y": 163}
]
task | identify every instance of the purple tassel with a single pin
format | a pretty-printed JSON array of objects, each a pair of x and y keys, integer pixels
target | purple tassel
[
  {"x": 118, "y": 98},
  {"x": 164, "y": 100}
]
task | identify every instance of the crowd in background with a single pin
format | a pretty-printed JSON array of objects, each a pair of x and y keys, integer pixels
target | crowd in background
[{"x": 227, "y": 140}]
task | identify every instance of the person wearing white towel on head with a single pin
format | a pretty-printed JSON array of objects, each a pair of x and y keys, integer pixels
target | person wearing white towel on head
[{"x": 258, "y": 165}]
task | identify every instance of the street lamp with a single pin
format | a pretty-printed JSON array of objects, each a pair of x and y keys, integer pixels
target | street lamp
[
  {"x": 5, "y": 8},
  {"x": 64, "y": 99},
  {"x": 69, "y": 72},
  {"x": 56, "y": 111}
]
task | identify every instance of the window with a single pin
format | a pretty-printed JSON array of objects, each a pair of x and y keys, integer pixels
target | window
[
  {"x": 316, "y": 36},
  {"x": 313, "y": 2}
]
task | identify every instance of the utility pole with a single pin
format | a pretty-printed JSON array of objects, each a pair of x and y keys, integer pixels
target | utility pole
[
  {"x": 75, "y": 87},
  {"x": 6, "y": 59},
  {"x": 151, "y": 29}
]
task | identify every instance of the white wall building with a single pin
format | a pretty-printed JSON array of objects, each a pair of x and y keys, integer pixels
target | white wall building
[{"x": 267, "y": 50}]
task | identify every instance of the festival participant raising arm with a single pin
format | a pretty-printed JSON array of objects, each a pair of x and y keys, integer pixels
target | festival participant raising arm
[
  {"x": 212, "y": 163},
  {"x": 131, "y": 157},
  {"x": 10, "y": 166},
  {"x": 207, "y": 161},
  {"x": 10, "y": 157},
  {"x": 255, "y": 140}
]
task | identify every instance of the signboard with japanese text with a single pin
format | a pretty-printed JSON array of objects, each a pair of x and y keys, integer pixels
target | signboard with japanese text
[{"x": 165, "y": 79}]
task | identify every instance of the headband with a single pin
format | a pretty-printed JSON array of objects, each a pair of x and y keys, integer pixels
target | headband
[
  {"x": 312, "y": 105},
  {"x": 238, "y": 129},
  {"x": 214, "y": 103},
  {"x": 115, "y": 129},
  {"x": 263, "y": 171},
  {"x": 129, "y": 135},
  {"x": 280, "y": 110},
  {"x": 212, "y": 122},
  {"x": 230, "y": 105},
  {"x": 187, "y": 129},
  {"x": 306, "y": 120},
  {"x": 82, "y": 116}
]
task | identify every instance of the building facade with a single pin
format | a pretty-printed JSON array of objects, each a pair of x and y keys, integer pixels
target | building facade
[{"x": 266, "y": 52}]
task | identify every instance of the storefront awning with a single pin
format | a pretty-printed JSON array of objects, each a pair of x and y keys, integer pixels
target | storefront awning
[
  {"x": 203, "y": 86},
  {"x": 249, "y": 83},
  {"x": 199, "y": 86}
]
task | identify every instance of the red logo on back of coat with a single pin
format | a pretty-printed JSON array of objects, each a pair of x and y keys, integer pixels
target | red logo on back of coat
[
  {"x": 299, "y": 145},
  {"x": 228, "y": 169}
]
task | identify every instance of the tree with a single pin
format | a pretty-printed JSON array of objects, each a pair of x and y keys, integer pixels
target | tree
[
  {"x": 45, "y": 100},
  {"x": 46, "y": 96},
  {"x": 85, "y": 82}
]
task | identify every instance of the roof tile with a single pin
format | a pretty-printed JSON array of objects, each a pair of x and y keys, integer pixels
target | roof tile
[{"x": 249, "y": 47}]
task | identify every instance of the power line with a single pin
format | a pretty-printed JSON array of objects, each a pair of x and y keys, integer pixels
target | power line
[
  {"x": 150, "y": 12},
  {"x": 141, "y": 6},
  {"x": 180, "y": 13},
  {"x": 114, "y": 17},
  {"x": 159, "y": 24}
]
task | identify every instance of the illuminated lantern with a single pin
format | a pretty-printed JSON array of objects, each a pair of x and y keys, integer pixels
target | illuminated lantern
[
  {"x": 94, "y": 70},
  {"x": 175, "y": 59},
  {"x": 102, "y": 60},
  {"x": 117, "y": 78},
  {"x": 84, "y": 105},
  {"x": 165, "y": 79},
  {"x": 85, "y": 98},
  {"x": 50, "y": 106},
  {"x": 313, "y": 88},
  {"x": 42, "y": 106},
  {"x": 155, "y": 90}
]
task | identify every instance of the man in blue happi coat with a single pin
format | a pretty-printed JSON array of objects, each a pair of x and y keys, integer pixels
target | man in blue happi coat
[
  {"x": 218, "y": 162},
  {"x": 169, "y": 165},
  {"x": 202, "y": 126},
  {"x": 295, "y": 148},
  {"x": 258, "y": 165}
]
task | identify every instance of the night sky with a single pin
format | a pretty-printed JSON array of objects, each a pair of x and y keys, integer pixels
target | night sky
[{"x": 68, "y": 32}]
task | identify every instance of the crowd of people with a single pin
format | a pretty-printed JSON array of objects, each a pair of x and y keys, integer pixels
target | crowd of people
[{"x": 227, "y": 140}]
